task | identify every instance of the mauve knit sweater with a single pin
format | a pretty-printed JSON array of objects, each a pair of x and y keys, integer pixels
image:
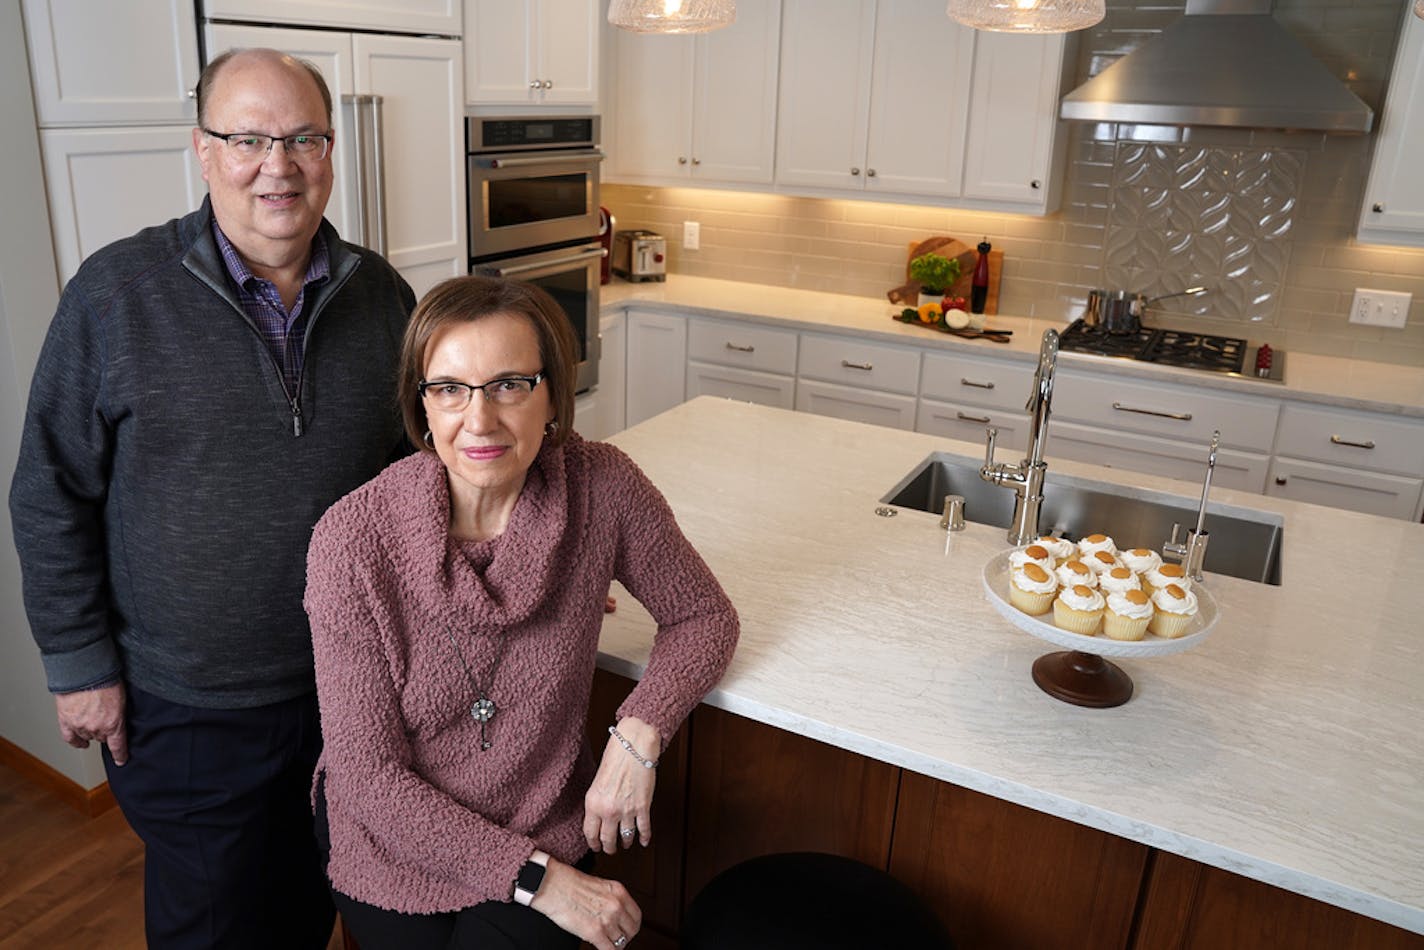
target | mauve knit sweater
[{"x": 421, "y": 820}]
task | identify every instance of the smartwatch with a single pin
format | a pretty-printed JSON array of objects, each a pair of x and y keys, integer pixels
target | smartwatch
[{"x": 531, "y": 875}]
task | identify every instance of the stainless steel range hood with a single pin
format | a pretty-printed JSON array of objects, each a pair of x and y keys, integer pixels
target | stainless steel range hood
[{"x": 1226, "y": 62}]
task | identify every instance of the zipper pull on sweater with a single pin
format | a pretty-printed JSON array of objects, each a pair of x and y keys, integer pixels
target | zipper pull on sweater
[{"x": 296, "y": 419}]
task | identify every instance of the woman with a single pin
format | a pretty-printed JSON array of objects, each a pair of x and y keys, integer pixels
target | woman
[{"x": 455, "y": 603}]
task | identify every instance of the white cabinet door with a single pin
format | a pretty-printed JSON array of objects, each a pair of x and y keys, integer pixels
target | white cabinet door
[
  {"x": 969, "y": 423},
  {"x": 657, "y": 364},
  {"x": 919, "y": 101},
  {"x": 88, "y": 211},
  {"x": 440, "y": 17},
  {"x": 531, "y": 52},
  {"x": 700, "y": 108},
  {"x": 1392, "y": 496},
  {"x": 1013, "y": 119},
  {"x": 1168, "y": 457},
  {"x": 1396, "y": 188},
  {"x": 744, "y": 385},
  {"x": 112, "y": 64},
  {"x": 827, "y": 49},
  {"x": 421, "y": 85},
  {"x": 858, "y": 405}
]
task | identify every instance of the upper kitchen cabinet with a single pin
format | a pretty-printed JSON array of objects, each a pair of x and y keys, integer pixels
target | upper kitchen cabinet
[
  {"x": 1393, "y": 211},
  {"x": 874, "y": 97},
  {"x": 440, "y": 17},
  {"x": 412, "y": 195},
  {"x": 697, "y": 109},
  {"x": 133, "y": 63},
  {"x": 531, "y": 52}
]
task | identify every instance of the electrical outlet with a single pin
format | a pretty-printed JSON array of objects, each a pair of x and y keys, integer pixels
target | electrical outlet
[
  {"x": 1380, "y": 308},
  {"x": 691, "y": 235}
]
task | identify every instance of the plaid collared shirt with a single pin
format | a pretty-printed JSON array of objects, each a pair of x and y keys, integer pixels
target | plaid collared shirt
[{"x": 283, "y": 331}]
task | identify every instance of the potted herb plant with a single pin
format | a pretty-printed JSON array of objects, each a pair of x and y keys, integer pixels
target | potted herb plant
[{"x": 936, "y": 275}]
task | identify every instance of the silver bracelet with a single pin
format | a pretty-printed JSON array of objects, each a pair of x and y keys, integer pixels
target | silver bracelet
[{"x": 645, "y": 763}]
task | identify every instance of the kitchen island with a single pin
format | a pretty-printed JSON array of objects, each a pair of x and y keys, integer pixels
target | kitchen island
[{"x": 1286, "y": 748}]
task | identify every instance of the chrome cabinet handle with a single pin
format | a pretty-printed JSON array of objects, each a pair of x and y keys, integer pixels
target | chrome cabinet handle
[
  {"x": 548, "y": 84},
  {"x": 855, "y": 171},
  {"x": 682, "y": 159},
  {"x": 1280, "y": 480},
  {"x": 1367, "y": 444},
  {"x": 739, "y": 348},
  {"x": 849, "y": 365},
  {"x": 1377, "y": 207},
  {"x": 535, "y": 84},
  {"x": 981, "y": 419},
  {"x": 870, "y": 173},
  {"x": 1183, "y": 416},
  {"x": 1035, "y": 184},
  {"x": 696, "y": 161},
  {"x": 969, "y": 382}
]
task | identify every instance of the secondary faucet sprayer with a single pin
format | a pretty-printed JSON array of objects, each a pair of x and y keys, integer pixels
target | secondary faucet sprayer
[
  {"x": 1026, "y": 478},
  {"x": 1193, "y": 552}
]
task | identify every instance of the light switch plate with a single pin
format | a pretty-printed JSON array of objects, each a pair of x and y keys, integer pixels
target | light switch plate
[
  {"x": 1380, "y": 308},
  {"x": 691, "y": 235}
]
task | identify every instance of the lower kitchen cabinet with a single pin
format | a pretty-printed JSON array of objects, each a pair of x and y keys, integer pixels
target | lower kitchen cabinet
[
  {"x": 1001, "y": 875},
  {"x": 602, "y": 412},
  {"x": 968, "y": 423},
  {"x": 729, "y": 382},
  {"x": 855, "y": 404},
  {"x": 657, "y": 364},
  {"x": 1170, "y": 458},
  {"x": 1354, "y": 489}
]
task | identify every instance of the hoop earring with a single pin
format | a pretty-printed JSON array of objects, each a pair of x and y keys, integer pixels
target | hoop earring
[
  {"x": 429, "y": 439},
  {"x": 551, "y": 427}
]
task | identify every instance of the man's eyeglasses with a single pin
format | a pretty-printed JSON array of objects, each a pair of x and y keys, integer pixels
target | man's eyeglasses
[
  {"x": 450, "y": 396},
  {"x": 255, "y": 147}
]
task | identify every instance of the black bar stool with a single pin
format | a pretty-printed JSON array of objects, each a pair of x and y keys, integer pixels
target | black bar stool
[{"x": 809, "y": 900}]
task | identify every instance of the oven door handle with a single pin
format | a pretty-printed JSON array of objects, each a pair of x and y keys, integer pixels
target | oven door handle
[
  {"x": 552, "y": 158},
  {"x": 578, "y": 258}
]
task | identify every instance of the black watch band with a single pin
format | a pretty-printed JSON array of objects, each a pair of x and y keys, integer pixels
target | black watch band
[{"x": 531, "y": 875}]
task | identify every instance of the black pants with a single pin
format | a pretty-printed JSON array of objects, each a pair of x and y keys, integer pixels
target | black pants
[
  {"x": 493, "y": 925},
  {"x": 221, "y": 799}
]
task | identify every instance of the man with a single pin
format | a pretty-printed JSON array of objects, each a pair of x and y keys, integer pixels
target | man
[{"x": 207, "y": 388}]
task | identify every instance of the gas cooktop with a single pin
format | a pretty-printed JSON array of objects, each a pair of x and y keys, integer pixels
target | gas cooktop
[{"x": 1214, "y": 354}]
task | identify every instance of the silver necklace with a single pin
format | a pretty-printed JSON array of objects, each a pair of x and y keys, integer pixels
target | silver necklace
[{"x": 483, "y": 709}]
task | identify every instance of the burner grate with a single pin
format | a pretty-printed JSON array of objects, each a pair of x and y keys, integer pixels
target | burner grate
[{"x": 1219, "y": 354}]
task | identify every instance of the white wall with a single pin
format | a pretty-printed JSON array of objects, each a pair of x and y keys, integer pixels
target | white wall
[{"x": 29, "y": 290}]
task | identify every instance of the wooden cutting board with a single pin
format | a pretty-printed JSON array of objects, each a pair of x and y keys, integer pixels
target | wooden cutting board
[{"x": 908, "y": 293}]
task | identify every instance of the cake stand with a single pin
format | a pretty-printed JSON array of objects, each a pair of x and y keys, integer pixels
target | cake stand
[{"x": 1080, "y": 674}]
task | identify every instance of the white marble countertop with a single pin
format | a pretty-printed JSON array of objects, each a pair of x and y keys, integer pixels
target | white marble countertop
[
  {"x": 1332, "y": 381},
  {"x": 1288, "y": 747}
]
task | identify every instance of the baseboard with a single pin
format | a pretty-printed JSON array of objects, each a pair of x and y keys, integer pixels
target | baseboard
[{"x": 88, "y": 801}]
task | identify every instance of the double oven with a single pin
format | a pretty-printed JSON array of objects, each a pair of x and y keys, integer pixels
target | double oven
[{"x": 534, "y": 215}]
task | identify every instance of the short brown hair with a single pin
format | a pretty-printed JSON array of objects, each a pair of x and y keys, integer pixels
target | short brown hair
[
  {"x": 210, "y": 74},
  {"x": 468, "y": 299}
]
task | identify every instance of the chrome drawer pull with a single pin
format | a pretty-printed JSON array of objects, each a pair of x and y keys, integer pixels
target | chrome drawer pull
[
  {"x": 849, "y": 365},
  {"x": 982, "y": 419},
  {"x": 1367, "y": 444},
  {"x": 740, "y": 349},
  {"x": 970, "y": 382},
  {"x": 1184, "y": 416}
]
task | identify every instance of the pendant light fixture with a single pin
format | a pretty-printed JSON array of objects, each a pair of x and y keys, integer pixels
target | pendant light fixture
[
  {"x": 1419, "y": 9},
  {"x": 1029, "y": 16},
  {"x": 671, "y": 16}
]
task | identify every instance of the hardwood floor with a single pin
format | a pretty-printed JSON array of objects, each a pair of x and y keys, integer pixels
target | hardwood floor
[{"x": 67, "y": 880}]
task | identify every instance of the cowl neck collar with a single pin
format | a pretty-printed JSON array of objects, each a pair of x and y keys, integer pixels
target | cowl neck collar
[{"x": 521, "y": 561}]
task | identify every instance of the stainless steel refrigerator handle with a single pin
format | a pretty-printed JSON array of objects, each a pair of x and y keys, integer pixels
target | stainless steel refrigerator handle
[
  {"x": 556, "y": 262},
  {"x": 358, "y": 148},
  {"x": 379, "y": 144},
  {"x": 551, "y": 159}
]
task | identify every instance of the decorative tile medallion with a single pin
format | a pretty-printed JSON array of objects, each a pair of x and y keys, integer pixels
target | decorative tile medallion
[{"x": 1181, "y": 216}]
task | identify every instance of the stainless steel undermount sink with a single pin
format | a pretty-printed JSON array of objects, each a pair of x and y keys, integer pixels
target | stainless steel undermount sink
[{"x": 1248, "y": 548}]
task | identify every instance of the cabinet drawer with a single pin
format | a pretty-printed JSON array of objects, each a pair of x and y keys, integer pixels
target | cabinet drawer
[
  {"x": 1163, "y": 409},
  {"x": 967, "y": 423},
  {"x": 1153, "y": 456},
  {"x": 1392, "y": 496},
  {"x": 742, "y": 344},
  {"x": 856, "y": 363},
  {"x": 996, "y": 384},
  {"x": 1357, "y": 439},
  {"x": 730, "y": 382},
  {"x": 856, "y": 404}
]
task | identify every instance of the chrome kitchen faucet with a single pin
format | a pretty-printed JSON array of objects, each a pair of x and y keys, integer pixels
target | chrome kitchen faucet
[{"x": 1026, "y": 478}]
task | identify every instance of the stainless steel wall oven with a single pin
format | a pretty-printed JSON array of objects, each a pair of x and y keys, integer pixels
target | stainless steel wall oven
[{"x": 533, "y": 192}]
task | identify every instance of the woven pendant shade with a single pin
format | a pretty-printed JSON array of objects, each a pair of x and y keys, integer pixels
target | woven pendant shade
[
  {"x": 1029, "y": 16},
  {"x": 671, "y": 16},
  {"x": 1419, "y": 8}
]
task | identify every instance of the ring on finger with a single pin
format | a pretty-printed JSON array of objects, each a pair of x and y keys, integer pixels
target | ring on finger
[
  {"x": 622, "y": 939},
  {"x": 626, "y": 832}
]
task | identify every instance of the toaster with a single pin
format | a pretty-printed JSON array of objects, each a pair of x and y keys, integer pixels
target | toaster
[{"x": 640, "y": 255}]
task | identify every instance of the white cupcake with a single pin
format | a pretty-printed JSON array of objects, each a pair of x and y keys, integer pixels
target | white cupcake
[
  {"x": 1032, "y": 588},
  {"x": 1079, "y": 609},
  {"x": 1094, "y": 543},
  {"x": 1127, "y": 615},
  {"x": 1140, "y": 560},
  {"x": 1175, "y": 609},
  {"x": 1100, "y": 562},
  {"x": 1061, "y": 548},
  {"x": 1118, "y": 580},
  {"x": 1076, "y": 572},
  {"x": 1033, "y": 554},
  {"x": 1159, "y": 577}
]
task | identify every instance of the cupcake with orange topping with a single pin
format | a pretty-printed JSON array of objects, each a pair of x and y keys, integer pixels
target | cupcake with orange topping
[
  {"x": 1174, "y": 609},
  {"x": 1094, "y": 543},
  {"x": 1076, "y": 572},
  {"x": 1140, "y": 560},
  {"x": 1031, "y": 588},
  {"x": 1079, "y": 609},
  {"x": 1033, "y": 554},
  {"x": 1127, "y": 615},
  {"x": 1118, "y": 580},
  {"x": 1061, "y": 548},
  {"x": 1100, "y": 562},
  {"x": 1159, "y": 577}
]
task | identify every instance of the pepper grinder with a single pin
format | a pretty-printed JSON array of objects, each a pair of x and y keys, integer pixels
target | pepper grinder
[{"x": 979, "y": 290}]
